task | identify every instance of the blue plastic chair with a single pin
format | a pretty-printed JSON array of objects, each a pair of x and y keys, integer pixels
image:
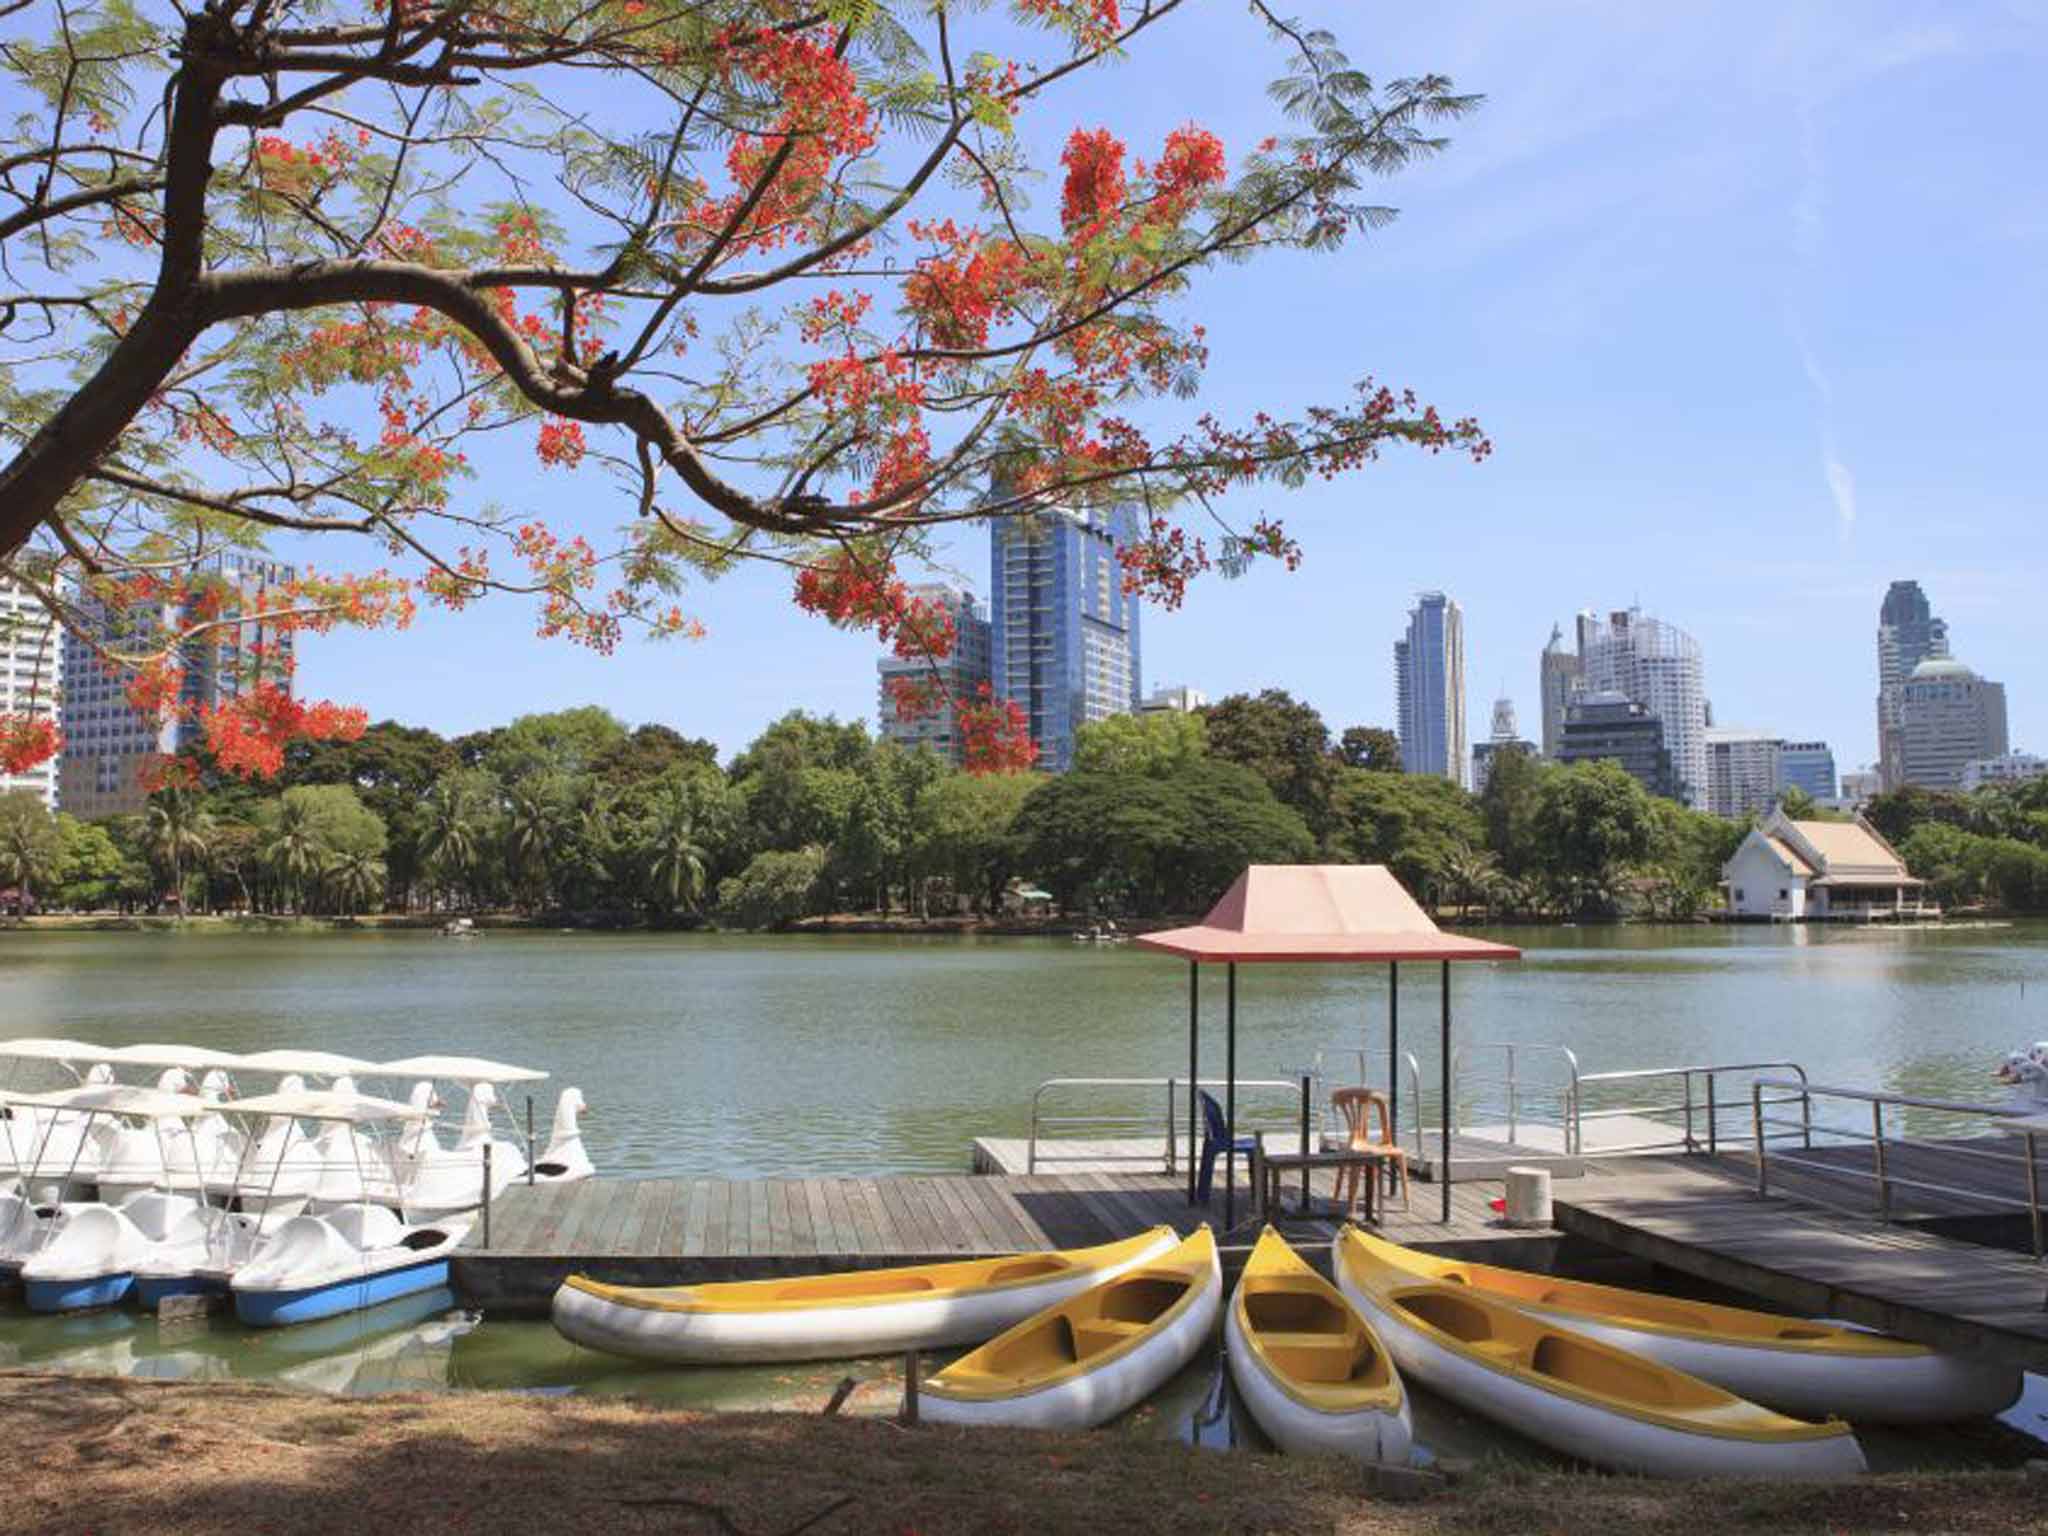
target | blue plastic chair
[{"x": 1215, "y": 1137}]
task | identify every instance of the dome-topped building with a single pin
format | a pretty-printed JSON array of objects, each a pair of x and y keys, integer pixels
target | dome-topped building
[{"x": 1948, "y": 717}]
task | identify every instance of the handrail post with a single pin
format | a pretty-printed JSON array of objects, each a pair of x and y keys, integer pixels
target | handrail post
[
  {"x": 1756, "y": 1112},
  {"x": 1031, "y": 1151},
  {"x": 1805, "y": 1109},
  {"x": 1884, "y": 1188},
  {"x": 1170, "y": 1127},
  {"x": 1514, "y": 1095},
  {"x": 487, "y": 1194},
  {"x": 1691, "y": 1141},
  {"x": 1713, "y": 1119},
  {"x": 2033, "y": 1193}
]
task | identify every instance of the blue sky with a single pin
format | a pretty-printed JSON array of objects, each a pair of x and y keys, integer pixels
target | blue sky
[{"x": 1750, "y": 297}]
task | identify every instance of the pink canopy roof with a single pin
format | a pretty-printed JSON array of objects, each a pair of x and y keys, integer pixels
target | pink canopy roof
[{"x": 1320, "y": 912}]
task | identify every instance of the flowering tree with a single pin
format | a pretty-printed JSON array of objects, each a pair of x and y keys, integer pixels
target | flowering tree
[{"x": 770, "y": 267}]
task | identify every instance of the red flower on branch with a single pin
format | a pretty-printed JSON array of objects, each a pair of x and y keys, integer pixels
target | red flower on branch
[
  {"x": 27, "y": 741},
  {"x": 1094, "y": 190}
]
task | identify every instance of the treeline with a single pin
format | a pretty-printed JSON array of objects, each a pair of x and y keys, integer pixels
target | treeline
[
  {"x": 575, "y": 812},
  {"x": 1990, "y": 846}
]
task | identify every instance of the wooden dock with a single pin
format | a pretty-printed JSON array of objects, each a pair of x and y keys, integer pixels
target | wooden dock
[
  {"x": 683, "y": 1231},
  {"x": 1702, "y": 1217}
]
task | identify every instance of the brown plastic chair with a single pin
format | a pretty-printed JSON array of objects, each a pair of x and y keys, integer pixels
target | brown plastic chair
[{"x": 1361, "y": 1107}]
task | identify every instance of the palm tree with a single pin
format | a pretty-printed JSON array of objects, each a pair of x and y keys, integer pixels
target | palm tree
[
  {"x": 295, "y": 849},
  {"x": 529, "y": 832},
  {"x": 1469, "y": 872},
  {"x": 178, "y": 828},
  {"x": 26, "y": 854},
  {"x": 677, "y": 868},
  {"x": 356, "y": 879},
  {"x": 449, "y": 844}
]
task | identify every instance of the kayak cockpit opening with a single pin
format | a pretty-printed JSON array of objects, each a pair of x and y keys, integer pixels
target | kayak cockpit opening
[{"x": 1025, "y": 1269}]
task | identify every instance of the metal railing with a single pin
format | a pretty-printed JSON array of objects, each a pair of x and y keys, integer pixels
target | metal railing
[
  {"x": 1883, "y": 1179},
  {"x": 1123, "y": 1123},
  {"x": 1328, "y": 1081},
  {"x": 1697, "y": 1099},
  {"x": 1522, "y": 1100}
]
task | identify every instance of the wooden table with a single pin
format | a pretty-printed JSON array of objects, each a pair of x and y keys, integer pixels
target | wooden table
[{"x": 1269, "y": 1168}]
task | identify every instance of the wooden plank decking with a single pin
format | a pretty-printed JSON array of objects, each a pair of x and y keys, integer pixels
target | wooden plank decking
[
  {"x": 1694, "y": 1216},
  {"x": 679, "y": 1231}
]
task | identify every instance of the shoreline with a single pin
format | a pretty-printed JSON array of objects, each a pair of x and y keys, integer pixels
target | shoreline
[{"x": 117, "y": 1455}]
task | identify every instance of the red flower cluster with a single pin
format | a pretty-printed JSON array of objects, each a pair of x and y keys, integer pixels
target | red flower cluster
[
  {"x": 27, "y": 740},
  {"x": 856, "y": 594},
  {"x": 1160, "y": 565},
  {"x": 247, "y": 735},
  {"x": 1094, "y": 189},
  {"x": 995, "y": 734},
  {"x": 561, "y": 442},
  {"x": 1094, "y": 23}
]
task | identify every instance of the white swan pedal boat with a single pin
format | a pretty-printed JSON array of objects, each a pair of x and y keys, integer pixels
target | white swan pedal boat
[
  {"x": 1087, "y": 1359},
  {"x": 1807, "y": 1369},
  {"x": 1569, "y": 1391},
  {"x": 353, "y": 1256},
  {"x": 1309, "y": 1368},
  {"x": 838, "y": 1316}
]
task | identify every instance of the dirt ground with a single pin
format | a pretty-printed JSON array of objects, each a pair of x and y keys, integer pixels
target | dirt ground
[{"x": 104, "y": 1455}]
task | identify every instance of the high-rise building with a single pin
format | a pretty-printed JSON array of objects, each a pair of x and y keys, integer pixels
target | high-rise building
[
  {"x": 1429, "y": 689},
  {"x": 1503, "y": 738},
  {"x": 1658, "y": 666},
  {"x": 31, "y": 679},
  {"x": 1908, "y": 633},
  {"x": 1177, "y": 700},
  {"x": 1558, "y": 676},
  {"x": 109, "y": 744},
  {"x": 1745, "y": 771},
  {"x": 1948, "y": 716},
  {"x": 956, "y": 678},
  {"x": 1609, "y": 726},
  {"x": 1808, "y": 766},
  {"x": 1063, "y": 632}
]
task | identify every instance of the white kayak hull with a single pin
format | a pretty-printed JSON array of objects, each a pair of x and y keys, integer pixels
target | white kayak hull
[
  {"x": 1933, "y": 1388},
  {"x": 1369, "y": 1435},
  {"x": 1591, "y": 1433},
  {"x": 880, "y": 1327},
  {"x": 1100, "y": 1394}
]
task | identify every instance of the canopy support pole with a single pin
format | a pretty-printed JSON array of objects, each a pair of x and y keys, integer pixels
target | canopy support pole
[
  {"x": 1230, "y": 1101},
  {"x": 1444, "y": 1069},
  {"x": 1194, "y": 1076},
  {"x": 1394, "y": 1049}
]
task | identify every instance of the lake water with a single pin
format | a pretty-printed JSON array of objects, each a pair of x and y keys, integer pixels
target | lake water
[
  {"x": 733, "y": 1055},
  {"x": 738, "y": 1056}
]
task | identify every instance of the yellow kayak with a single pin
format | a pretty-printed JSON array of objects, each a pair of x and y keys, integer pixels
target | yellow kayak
[
  {"x": 1808, "y": 1369},
  {"x": 1092, "y": 1357},
  {"x": 1568, "y": 1390},
  {"x": 841, "y": 1315},
  {"x": 1308, "y": 1366}
]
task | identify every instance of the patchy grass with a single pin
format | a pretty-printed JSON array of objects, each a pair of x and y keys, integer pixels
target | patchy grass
[{"x": 106, "y": 1455}]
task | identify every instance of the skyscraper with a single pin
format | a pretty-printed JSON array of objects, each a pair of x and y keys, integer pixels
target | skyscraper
[
  {"x": 1063, "y": 632},
  {"x": 31, "y": 678},
  {"x": 1658, "y": 665},
  {"x": 1745, "y": 771},
  {"x": 1908, "y": 633},
  {"x": 1808, "y": 765},
  {"x": 959, "y": 675},
  {"x": 1429, "y": 688},
  {"x": 1558, "y": 677},
  {"x": 1948, "y": 716},
  {"x": 108, "y": 743},
  {"x": 1611, "y": 727}
]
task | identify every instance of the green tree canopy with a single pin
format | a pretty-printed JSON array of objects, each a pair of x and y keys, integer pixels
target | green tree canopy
[
  {"x": 31, "y": 851},
  {"x": 1372, "y": 747},
  {"x": 1160, "y": 741},
  {"x": 1284, "y": 742},
  {"x": 1414, "y": 823}
]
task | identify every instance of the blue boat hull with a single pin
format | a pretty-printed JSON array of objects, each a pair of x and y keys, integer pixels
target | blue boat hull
[
  {"x": 149, "y": 1291},
  {"x": 77, "y": 1295},
  {"x": 276, "y": 1309}
]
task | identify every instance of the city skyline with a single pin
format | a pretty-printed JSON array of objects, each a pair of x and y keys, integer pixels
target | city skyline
[{"x": 1744, "y": 161}]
